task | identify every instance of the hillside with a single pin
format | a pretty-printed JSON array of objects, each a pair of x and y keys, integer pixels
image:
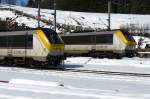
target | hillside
[
  {"x": 70, "y": 21},
  {"x": 99, "y": 6}
]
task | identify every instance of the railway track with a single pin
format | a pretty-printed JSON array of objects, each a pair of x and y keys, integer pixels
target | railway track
[
  {"x": 98, "y": 72},
  {"x": 109, "y": 73}
]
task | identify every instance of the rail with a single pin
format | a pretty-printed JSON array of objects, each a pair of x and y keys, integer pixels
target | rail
[{"x": 109, "y": 73}]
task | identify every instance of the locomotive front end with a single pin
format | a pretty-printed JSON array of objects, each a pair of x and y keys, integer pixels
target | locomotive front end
[
  {"x": 130, "y": 43},
  {"x": 54, "y": 46},
  {"x": 56, "y": 53}
]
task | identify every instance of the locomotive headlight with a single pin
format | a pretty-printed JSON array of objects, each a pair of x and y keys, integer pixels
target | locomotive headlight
[{"x": 57, "y": 49}]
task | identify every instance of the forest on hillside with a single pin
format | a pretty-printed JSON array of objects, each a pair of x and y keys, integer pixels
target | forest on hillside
[{"x": 100, "y": 6}]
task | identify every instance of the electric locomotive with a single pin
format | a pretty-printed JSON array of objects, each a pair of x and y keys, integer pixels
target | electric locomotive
[
  {"x": 113, "y": 43},
  {"x": 39, "y": 47}
]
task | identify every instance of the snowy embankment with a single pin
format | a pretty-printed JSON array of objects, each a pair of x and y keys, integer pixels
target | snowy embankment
[{"x": 87, "y": 20}]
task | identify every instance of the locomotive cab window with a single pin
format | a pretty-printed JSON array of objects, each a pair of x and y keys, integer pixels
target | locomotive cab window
[
  {"x": 128, "y": 35},
  {"x": 52, "y": 36}
]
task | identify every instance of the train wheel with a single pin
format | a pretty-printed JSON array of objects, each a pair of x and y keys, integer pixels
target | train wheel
[
  {"x": 1, "y": 62},
  {"x": 130, "y": 55},
  {"x": 110, "y": 56},
  {"x": 8, "y": 62},
  {"x": 118, "y": 56},
  {"x": 92, "y": 54},
  {"x": 31, "y": 63}
]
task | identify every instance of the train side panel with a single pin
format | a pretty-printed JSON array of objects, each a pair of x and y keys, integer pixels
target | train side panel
[
  {"x": 3, "y": 53},
  {"x": 104, "y": 42},
  {"x": 78, "y": 48}
]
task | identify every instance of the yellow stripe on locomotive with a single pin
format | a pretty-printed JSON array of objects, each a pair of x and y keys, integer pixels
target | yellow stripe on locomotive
[
  {"x": 55, "y": 48},
  {"x": 42, "y": 37},
  {"x": 125, "y": 39}
]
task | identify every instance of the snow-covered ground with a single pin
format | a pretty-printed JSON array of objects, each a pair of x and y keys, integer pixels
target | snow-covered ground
[
  {"x": 24, "y": 83},
  {"x": 144, "y": 41},
  {"x": 129, "y": 65}
]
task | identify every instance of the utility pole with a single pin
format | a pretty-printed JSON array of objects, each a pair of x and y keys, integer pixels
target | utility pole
[
  {"x": 9, "y": 4},
  {"x": 55, "y": 15},
  {"x": 109, "y": 15},
  {"x": 39, "y": 16}
]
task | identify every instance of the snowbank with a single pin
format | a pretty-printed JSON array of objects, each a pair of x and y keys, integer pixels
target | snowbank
[
  {"x": 33, "y": 82},
  {"x": 144, "y": 42}
]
